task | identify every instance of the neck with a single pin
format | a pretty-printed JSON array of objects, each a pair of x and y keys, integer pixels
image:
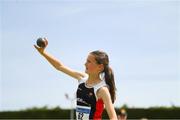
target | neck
[{"x": 93, "y": 79}]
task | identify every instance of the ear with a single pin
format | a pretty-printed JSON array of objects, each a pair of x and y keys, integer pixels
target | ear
[{"x": 101, "y": 67}]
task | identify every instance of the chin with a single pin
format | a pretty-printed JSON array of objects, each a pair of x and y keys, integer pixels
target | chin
[{"x": 86, "y": 71}]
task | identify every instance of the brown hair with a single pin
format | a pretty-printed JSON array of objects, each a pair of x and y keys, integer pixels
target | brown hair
[{"x": 102, "y": 58}]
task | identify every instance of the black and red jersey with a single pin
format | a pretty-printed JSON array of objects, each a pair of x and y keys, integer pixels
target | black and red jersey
[{"x": 88, "y": 105}]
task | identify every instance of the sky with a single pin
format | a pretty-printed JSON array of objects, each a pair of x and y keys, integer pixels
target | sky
[{"x": 140, "y": 37}]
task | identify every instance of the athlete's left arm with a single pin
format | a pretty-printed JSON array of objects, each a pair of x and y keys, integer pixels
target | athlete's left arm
[{"x": 104, "y": 94}]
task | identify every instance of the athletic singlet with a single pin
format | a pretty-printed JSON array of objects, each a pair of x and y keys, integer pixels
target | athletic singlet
[{"x": 88, "y": 105}]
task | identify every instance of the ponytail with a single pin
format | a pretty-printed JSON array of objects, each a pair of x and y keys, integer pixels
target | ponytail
[
  {"x": 102, "y": 58},
  {"x": 109, "y": 79}
]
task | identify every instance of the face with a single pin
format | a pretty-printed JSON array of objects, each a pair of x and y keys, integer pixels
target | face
[{"x": 91, "y": 65}]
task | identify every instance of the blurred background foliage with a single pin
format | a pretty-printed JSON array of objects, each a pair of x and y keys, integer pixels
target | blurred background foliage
[{"x": 59, "y": 113}]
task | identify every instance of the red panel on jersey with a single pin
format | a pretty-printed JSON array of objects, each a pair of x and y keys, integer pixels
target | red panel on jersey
[{"x": 99, "y": 109}]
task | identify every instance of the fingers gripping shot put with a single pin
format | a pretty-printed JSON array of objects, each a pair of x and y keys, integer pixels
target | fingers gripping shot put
[{"x": 96, "y": 86}]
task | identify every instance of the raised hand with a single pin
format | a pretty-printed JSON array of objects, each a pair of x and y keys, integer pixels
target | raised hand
[{"x": 41, "y": 49}]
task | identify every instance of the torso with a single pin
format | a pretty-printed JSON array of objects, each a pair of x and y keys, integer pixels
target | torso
[{"x": 88, "y": 105}]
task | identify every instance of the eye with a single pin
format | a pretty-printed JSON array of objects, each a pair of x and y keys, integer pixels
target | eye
[{"x": 88, "y": 61}]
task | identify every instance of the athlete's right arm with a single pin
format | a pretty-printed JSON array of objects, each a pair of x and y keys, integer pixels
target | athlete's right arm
[{"x": 58, "y": 64}]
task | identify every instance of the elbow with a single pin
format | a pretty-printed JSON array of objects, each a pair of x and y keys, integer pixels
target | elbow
[{"x": 57, "y": 67}]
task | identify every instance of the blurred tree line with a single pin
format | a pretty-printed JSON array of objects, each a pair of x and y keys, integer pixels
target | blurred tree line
[{"x": 172, "y": 112}]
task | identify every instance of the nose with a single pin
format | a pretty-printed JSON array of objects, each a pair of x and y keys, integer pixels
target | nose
[{"x": 85, "y": 63}]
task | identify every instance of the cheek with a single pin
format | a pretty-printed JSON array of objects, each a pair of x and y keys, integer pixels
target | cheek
[{"x": 91, "y": 68}]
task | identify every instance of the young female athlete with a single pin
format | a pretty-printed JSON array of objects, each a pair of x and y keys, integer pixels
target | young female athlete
[{"x": 96, "y": 88}]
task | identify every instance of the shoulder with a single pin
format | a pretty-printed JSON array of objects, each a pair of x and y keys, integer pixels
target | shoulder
[
  {"x": 103, "y": 92},
  {"x": 81, "y": 75},
  {"x": 103, "y": 89}
]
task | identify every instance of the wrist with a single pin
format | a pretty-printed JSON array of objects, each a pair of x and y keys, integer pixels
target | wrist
[{"x": 42, "y": 52}]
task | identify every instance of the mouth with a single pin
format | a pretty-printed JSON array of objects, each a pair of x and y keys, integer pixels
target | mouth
[{"x": 86, "y": 69}]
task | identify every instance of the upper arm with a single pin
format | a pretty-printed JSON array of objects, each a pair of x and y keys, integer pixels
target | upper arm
[
  {"x": 104, "y": 94},
  {"x": 75, "y": 74}
]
